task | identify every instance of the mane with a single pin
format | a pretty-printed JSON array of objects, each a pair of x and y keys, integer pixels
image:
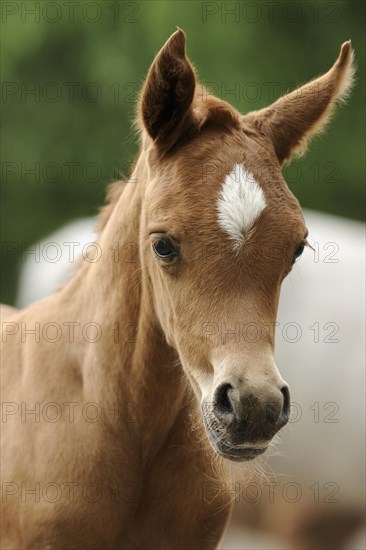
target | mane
[{"x": 114, "y": 191}]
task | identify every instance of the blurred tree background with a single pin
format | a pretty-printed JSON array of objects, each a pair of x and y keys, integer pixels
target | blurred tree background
[{"x": 71, "y": 71}]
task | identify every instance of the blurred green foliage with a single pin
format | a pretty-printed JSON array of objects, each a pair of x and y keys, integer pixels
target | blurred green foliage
[{"x": 71, "y": 72}]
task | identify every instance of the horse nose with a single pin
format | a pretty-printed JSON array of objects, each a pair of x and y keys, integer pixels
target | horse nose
[{"x": 252, "y": 414}]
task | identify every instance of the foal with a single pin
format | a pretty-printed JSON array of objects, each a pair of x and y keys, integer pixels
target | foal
[{"x": 164, "y": 338}]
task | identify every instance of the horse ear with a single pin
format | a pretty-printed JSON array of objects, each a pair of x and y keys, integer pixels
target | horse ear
[
  {"x": 166, "y": 99},
  {"x": 295, "y": 118}
]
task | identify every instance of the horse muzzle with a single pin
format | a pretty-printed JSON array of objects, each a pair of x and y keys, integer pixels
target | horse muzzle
[{"x": 241, "y": 424}]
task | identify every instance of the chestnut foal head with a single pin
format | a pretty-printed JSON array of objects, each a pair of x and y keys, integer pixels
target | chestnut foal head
[{"x": 219, "y": 232}]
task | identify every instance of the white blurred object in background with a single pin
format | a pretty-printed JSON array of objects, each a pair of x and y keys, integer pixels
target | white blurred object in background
[
  {"x": 321, "y": 354},
  {"x": 50, "y": 263}
]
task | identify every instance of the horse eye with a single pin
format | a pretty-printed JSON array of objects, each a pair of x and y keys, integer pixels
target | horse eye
[
  {"x": 165, "y": 249},
  {"x": 299, "y": 250}
]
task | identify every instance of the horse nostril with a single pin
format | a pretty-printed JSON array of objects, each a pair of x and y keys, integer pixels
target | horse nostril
[
  {"x": 286, "y": 401},
  {"x": 222, "y": 400},
  {"x": 223, "y": 406}
]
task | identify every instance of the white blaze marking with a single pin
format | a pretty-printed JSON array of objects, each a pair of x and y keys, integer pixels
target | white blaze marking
[{"x": 240, "y": 204}]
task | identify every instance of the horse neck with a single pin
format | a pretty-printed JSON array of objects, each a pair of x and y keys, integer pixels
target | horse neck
[{"x": 132, "y": 363}]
